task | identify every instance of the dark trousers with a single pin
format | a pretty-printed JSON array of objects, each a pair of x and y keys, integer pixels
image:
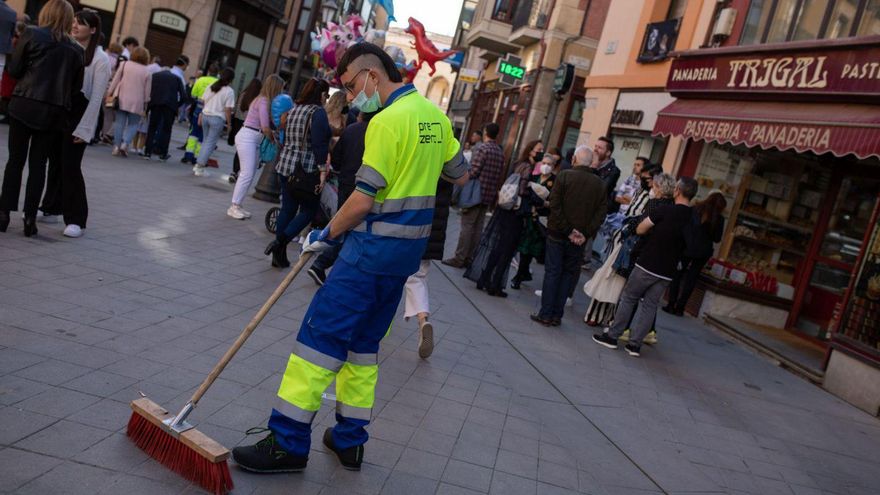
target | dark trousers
[
  {"x": 684, "y": 282},
  {"x": 295, "y": 214},
  {"x": 65, "y": 187},
  {"x": 510, "y": 225},
  {"x": 522, "y": 273},
  {"x": 562, "y": 261},
  {"x": 641, "y": 296},
  {"x": 31, "y": 147},
  {"x": 159, "y": 130},
  {"x": 230, "y": 139}
]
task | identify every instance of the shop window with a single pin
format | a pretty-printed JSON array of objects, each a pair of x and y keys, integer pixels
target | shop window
[
  {"x": 503, "y": 10},
  {"x": 809, "y": 21},
  {"x": 870, "y": 24},
  {"x": 842, "y": 16},
  {"x": 676, "y": 9},
  {"x": 775, "y": 21},
  {"x": 301, "y": 26},
  {"x": 756, "y": 22}
]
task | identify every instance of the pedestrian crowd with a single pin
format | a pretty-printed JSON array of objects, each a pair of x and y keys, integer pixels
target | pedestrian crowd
[{"x": 648, "y": 235}]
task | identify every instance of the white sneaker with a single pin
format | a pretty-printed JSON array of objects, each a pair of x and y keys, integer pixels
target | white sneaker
[
  {"x": 568, "y": 301},
  {"x": 651, "y": 338},
  {"x": 198, "y": 171},
  {"x": 235, "y": 212},
  {"x": 47, "y": 218},
  {"x": 115, "y": 151},
  {"x": 539, "y": 292},
  {"x": 73, "y": 230},
  {"x": 244, "y": 212}
]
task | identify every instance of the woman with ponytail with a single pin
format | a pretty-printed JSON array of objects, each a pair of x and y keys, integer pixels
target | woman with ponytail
[
  {"x": 219, "y": 102},
  {"x": 84, "y": 115}
]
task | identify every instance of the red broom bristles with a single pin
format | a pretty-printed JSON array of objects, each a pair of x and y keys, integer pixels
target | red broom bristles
[{"x": 176, "y": 456}]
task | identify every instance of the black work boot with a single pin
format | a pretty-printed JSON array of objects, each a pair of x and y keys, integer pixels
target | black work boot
[
  {"x": 350, "y": 458},
  {"x": 266, "y": 456}
]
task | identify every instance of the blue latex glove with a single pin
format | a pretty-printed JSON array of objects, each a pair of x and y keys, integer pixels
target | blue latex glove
[{"x": 319, "y": 241}]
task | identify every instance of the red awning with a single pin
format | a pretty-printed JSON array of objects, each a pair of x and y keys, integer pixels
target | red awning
[{"x": 837, "y": 128}]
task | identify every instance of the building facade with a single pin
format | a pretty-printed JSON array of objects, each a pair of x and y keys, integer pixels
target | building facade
[
  {"x": 240, "y": 34},
  {"x": 779, "y": 110},
  {"x": 514, "y": 50}
]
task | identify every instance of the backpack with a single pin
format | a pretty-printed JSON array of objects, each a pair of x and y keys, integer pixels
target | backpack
[{"x": 508, "y": 195}]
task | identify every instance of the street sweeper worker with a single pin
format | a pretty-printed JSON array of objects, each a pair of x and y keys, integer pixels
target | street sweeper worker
[{"x": 386, "y": 223}]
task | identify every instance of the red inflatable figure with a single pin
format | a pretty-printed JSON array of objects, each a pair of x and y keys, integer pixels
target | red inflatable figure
[{"x": 425, "y": 48}]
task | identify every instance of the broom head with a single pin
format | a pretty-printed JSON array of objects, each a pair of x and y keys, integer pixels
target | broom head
[{"x": 190, "y": 454}]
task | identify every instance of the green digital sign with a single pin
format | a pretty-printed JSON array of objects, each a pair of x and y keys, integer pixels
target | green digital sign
[{"x": 514, "y": 71}]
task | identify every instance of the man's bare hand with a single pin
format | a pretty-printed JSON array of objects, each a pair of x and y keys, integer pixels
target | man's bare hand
[{"x": 577, "y": 238}]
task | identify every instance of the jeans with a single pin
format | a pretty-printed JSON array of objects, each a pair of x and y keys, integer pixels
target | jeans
[
  {"x": 159, "y": 131},
  {"x": 562, "y": 268},
  {"x": 125, "y": 127},
  {"x": 472, "y": 220},
  {"x": 247, "y": 144},
  {"x": 212, "y": 127},
  {"x": 643, "y": 286},
  {"x": 295, "y": 214},
  {"x": 684, "y": 282},
  {"x": 31, "y": 147}
]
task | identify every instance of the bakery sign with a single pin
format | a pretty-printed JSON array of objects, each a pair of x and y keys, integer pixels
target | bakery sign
[{"x": 838, "y": 69}]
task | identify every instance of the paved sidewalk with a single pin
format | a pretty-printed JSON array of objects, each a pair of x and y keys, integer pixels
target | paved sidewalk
[{"x": 163, "y": 282}]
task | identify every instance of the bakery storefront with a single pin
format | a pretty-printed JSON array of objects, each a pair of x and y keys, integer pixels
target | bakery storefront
[{"x": 790, "y": 134}]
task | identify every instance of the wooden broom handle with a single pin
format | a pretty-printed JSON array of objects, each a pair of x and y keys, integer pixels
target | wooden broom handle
[{"x": 249, "y": 329}]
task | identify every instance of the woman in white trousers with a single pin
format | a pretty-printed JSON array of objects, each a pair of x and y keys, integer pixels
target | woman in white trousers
[
  {"x": 257, "y": 125},
  {"x": 418, "y": 305}
]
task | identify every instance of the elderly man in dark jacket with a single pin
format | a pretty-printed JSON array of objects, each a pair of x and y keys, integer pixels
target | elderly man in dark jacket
[
  {"x": 578, "y": 205},
  {"x": 166, "y": 94}
]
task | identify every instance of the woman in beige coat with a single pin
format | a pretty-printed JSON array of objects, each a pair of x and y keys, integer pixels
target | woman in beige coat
[{"x": 131, "y": 89}]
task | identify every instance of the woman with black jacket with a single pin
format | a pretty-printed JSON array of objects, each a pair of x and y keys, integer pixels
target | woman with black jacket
[
  {"x": 416, "y": 288},
  {"x": 700, "y": 246},
  {"x": 49, "y": 67}
]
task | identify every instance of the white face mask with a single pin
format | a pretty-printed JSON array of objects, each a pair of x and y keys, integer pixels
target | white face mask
[{"x": 546, "y": 169}]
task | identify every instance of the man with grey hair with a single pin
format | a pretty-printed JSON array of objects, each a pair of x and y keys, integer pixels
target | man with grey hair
[
  {"x": 577, "y": 208},
  {"x": 654, "y": 268}
]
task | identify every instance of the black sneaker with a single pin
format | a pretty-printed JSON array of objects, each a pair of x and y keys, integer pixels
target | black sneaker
[
  {"x": 317, "y": 275},
  {"x": 605, "y": 340},
  {"x": 632, "y": 350},
  {"x": 164, "y": 158},
  {"x": 350, "y": 458},
  {"x": 266, "y": 456}
]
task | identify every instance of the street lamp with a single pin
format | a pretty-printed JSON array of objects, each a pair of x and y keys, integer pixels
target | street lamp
[{"x": 328, "y": 10}]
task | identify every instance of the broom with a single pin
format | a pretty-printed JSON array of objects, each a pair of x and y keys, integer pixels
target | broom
[{"x": 177, "y": 444}]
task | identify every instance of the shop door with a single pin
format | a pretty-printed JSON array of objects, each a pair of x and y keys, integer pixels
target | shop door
[
  {"x": 834, "y": 253},
  {"x": 166, "y": 44}
]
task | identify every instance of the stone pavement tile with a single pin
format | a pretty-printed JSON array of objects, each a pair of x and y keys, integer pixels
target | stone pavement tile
[
  {"x": 135, "y": 485},
  {"x": 368, "y": 481},
  {"x": 239, "y": 418},
  {"x": 518, "y": 443},
  {"x": 555, "y": 454},
  {"x": 152, "y": 470},
  {"x": 17, "y": 467},
  {"x": 412, "y": 398},
  {"x": 548, "y": 489},
  {"x": 496, "y": 403},
  {"x": 99, "y": 383},
  {"x": 405, "y": 484},
  {"x": 557, "y": 474},
  {"x": 447, "y": 489},
  {"x": 519, "y": 463},
  {"x": 486, "y": 417},
  {"x": 457, "y": 394},
  {"x": 120, "y": 324},
  {"x": 14, "y": 389},
  {"x": 70, "y": 478},
  {"x": 772, "y": 487},
  {"x": 58, "y": 402},
  {"x": 449, "y": 408},
  {"x": 276, "y": 484},
  {"x": 382, "y": 453},
  {"x": 13, "y": 360},
  {"x": 107, "y": 414},
  {"x": 421, "y": 463},
  {"x": 473, "y": 432},
  {"x": 803, "y": 490},
  {"x": 156, "y": 393},
  {"x": 463, "y": 382},
  {"x": 441, "y": 423},
  {"x": 53, "y": 372},
  {"x": 126, "y": 344},
  {"x": 430, "y": 441},
  {"x": 91, "y": 356},
  {"x": 322, "y": 467},
  {"x": 468, "y": 475},
  {"x": 116, "y": 452},
  {"x": 522, "y": 427},
  {"x": 402, "y": 414},
  {"x": 508, "y": 484},
  {"x": 390, "y": 431},
  {"x": 475, "y": 453},
  {"x": 64, "y": 439}
]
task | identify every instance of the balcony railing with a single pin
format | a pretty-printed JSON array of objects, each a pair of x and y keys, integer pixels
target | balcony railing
[{"x": 531, "y": 13}]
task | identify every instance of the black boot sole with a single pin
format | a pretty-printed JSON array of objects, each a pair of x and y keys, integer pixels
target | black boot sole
[{"x": 272, "y": 471}]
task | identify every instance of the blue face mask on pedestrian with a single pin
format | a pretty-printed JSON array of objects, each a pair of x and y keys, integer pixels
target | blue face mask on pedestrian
[{"x": 367, "y": 104}]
